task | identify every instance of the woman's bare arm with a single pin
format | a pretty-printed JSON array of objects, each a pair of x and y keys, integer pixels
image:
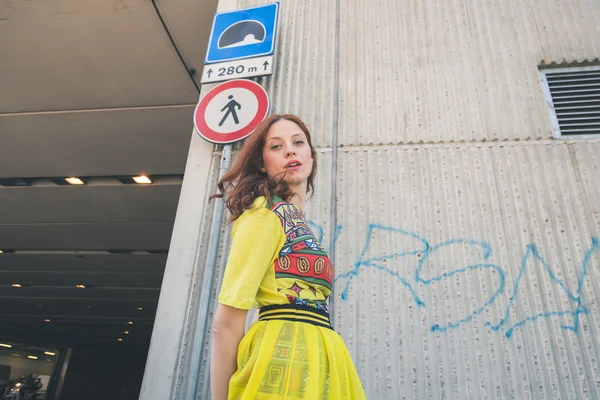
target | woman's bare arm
[{"x": 227, "y": 332}]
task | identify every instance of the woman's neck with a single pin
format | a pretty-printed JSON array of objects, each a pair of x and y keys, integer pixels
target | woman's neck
[{"x": 299, "y": 199}]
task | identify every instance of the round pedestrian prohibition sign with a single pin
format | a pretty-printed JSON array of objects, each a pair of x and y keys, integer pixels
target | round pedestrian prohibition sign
[{"x": 231, "y": 111}]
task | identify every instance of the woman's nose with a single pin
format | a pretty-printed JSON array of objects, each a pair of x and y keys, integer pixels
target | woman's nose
[{"x": 291, "y": 152}]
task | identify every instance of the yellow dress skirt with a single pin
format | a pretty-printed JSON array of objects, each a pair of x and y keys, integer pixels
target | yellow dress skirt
[{"x": 280, "y": 359}]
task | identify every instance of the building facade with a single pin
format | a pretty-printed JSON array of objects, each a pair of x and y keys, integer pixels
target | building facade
[{"x": 463, "y": 227}]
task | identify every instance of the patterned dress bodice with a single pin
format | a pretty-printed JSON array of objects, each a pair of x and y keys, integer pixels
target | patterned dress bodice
[{"x": 303, "y": 271}]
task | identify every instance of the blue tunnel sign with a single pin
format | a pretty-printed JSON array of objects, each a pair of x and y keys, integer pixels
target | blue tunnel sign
[{"x": 243, "y": 34}]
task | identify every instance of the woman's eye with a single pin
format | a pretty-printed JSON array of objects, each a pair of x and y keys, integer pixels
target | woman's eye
[
  {"x": 275, "y": 147},
  {"x": 299, "y": 142}
]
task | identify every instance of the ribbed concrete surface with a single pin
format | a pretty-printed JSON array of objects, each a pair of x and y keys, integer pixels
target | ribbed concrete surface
[
  {"x": 303, "y": 82},
  {"x": 466, "y": 237},
  {"x": 467, "y": 271},
  {"x": 419, "y": 72},
  {"x": 319, "y": 207},
  {"x": 586, "y": 157},
  {"x": 568, "y": 30}
]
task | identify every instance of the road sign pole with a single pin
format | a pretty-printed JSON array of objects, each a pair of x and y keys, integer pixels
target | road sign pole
[
  {"x": 178, "y": 347},
  {"x": 242, "y": 42},
  {"x": 202, "y": 325}
]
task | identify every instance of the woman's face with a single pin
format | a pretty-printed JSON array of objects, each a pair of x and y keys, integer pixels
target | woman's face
[{"x": 286, "y": 151}]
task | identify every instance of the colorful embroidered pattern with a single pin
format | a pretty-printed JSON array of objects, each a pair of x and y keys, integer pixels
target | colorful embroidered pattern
[{"x": 303, "y": 269}]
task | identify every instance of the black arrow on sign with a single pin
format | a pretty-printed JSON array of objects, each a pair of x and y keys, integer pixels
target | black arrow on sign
[
  {"x": 209, "y": 72},
  {"x": 266, "y": 64}
]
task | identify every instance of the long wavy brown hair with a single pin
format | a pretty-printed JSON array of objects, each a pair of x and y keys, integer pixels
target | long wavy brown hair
[{"x": 245, "y": 182}]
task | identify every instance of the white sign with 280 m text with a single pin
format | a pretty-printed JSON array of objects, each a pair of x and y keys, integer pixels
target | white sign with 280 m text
[{"x": 247, "y": 68}]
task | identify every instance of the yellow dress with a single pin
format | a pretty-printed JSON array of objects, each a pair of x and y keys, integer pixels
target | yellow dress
[{"x": 277, "y": 265}]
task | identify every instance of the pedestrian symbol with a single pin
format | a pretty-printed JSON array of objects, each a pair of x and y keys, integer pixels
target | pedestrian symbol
[
  {"x": 230, "y": 111},
  {"x": 230, "y": 107}
]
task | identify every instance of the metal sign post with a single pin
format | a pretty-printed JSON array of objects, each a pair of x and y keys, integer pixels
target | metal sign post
[
  {"x": 228, "y": 113},
  {"x": 178, "y": 346},
  {"x": 241, "y": 45}
]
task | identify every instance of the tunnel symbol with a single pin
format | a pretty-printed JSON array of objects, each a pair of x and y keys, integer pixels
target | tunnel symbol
[{"x": 242, "y": 33}]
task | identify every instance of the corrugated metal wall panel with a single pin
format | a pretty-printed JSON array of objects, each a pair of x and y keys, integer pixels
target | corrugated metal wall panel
[
  {"x": 432, "y": 245},
  {"x": 303, "y": 79},
  {"x": 568, "y": 29}
]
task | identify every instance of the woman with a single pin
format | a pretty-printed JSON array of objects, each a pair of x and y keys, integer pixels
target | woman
[{"x": 276, "y": 264}]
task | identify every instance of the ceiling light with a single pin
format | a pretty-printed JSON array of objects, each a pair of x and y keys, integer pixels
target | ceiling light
[
  {"x": 32, "y": 357},
  {"x": 1, "y": 252},
  {"x": 80, "y": 286},
  {"x": 75, "y": 181},
  {"x": 129, "y": 322},
  {"x": 142, "y": 179},
  {"x": 5, "y": 345},
  {"x": 47, "y": 320},
  {"x": 16, "y": 355},
  {"x": 49, "y": 353},
  {"x": 120, "y": 340},
  {"x": 126, "y": 332},
  {"x": 16, "y": 285},
  {"x": 139, "y": 308}
]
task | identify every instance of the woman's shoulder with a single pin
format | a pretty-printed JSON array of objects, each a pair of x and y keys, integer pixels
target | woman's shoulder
[
  {"x": 259, "y": 202},
  {"x": 258, "y": 212},
  {"x": 258, "y": 217}
]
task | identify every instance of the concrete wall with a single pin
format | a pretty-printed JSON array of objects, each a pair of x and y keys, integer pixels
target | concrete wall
[
  {"x": 466, "y": 244},
  {"x": 465, "y": 238}
]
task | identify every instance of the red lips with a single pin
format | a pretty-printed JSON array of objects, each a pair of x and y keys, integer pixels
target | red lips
[{"x": 295, "y": 163}]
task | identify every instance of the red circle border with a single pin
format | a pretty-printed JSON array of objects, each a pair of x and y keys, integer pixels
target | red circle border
[{"x": 220, "y": 138}]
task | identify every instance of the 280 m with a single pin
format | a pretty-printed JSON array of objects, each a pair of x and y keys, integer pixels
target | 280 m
[{"x": 235, "y": 70}]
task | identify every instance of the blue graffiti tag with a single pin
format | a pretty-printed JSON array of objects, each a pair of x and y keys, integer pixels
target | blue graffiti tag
[
  {"x": 423, "y": 251},
  {"x": 378, "y": 261},
  {"x": 487, "y": 252},
  {"x": 532, "y": 251}
]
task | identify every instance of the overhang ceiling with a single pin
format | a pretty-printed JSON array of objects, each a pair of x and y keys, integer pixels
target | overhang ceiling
[{"x": 92, "y": 89}]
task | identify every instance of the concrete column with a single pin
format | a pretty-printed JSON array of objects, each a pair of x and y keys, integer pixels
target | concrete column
[
  {"x": 172, "y": 336},
  {"x": 169, "y": 336}
]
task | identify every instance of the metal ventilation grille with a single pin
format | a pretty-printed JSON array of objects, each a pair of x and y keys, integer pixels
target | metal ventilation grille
[{"x": 575, "y": 95}]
